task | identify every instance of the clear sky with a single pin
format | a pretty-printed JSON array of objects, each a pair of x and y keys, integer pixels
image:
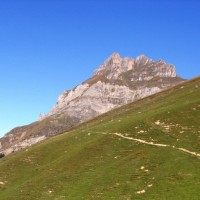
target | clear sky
[{"x": 48, "y": 46}]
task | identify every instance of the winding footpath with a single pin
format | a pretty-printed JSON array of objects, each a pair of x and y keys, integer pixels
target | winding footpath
[
  {"x": 141, "y": 141},
  {"x": 156, "y": 144}
]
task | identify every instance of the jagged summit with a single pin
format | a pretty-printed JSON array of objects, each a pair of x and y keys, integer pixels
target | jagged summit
[
  {"x": 115, "y": 56},
  {"x": 141, "y": 67},
  {"x": 142, "y": 56},
  {"x": 116, "y": 82},
  {"x": 142, "y": 60}
]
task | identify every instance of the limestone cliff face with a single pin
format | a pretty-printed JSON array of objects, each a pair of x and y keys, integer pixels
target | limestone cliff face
[
  {"x": 141, "y": 68},
  {"x": 88, "y": 101},
  {"x": 116, "y": 82}
]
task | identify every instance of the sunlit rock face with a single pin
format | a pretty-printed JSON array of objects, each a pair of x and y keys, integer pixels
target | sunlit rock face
[
  {"x": 141, "y": 68},
  {"x": 116, "y": 82},
  {"x": 97, "y": 99}
]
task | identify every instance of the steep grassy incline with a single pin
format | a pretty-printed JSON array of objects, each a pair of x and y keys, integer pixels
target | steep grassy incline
[{"x": 146, "y": 150}]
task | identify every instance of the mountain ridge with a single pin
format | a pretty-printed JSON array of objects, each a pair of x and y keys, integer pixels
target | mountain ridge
[{"x": 116, "y": 82}]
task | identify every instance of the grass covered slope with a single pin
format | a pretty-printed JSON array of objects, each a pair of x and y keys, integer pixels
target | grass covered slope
[{"x": 149, "y": 149}]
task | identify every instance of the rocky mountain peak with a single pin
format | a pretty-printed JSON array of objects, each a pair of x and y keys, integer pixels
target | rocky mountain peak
[
  {"x": 115, "y": 57},
  {"x": 140, "y": 67},
  {"x": 142, "y": 60},
  {"x": 142, "y": 56},
  {"x": 116, "y": 82}
]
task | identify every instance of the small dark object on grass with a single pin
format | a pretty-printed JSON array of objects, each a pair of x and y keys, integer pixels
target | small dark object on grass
[{"x": 2, "y": 154}]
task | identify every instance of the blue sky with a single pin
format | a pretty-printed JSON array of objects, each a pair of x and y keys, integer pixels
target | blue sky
[{"x": 48, "y": 46}]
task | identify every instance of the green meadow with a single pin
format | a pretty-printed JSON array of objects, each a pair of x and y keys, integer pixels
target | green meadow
[{"x": 148, "y": 150}]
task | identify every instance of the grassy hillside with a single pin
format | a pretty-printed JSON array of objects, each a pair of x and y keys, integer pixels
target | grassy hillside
[{"x": 149, "y": 149}]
